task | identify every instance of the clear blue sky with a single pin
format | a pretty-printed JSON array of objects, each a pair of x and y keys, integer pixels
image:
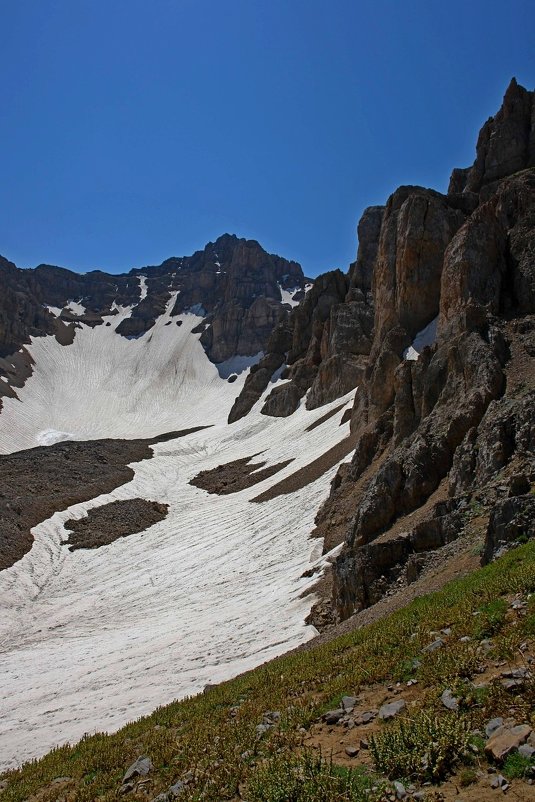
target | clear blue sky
[{"x": 133, "y": 130}]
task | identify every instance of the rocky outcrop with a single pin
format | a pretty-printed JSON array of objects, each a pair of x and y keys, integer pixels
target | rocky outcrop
[
  {"x": 506, "y": 143},
  {"x": 323, "y": 343},
  {"x": 106, "y": 524},
  {"x": 363, "y": 576},
  {"x": 417, "y": 227},
  {"x": 512, "y": 521},
  {"x": 296, "y": 344},
  {"x": 506, "y": 431},
  {"x": 456, "y": 417}
]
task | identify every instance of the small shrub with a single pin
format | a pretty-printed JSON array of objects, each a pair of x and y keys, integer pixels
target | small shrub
[
  {"x": 445, "y": 665},
  {"x": 467, "y": 777},
  {"x": 491, "y": 618},
  {"x": 425, "y": 747},
  {"x": 291, "y": 779},
  {"x": 476, "y": 509}
]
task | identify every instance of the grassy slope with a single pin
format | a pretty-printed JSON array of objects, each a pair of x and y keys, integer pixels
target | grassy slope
[{"x": 211, "y": 739}]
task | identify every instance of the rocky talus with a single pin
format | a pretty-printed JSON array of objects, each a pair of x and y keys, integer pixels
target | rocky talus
[{"x": 447, "y": 436}]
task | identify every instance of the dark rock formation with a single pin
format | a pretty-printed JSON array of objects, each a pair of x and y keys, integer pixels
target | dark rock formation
[
  {"x": 321, "y": 344},
  {"x": 506, "y": 143},
  {"x": 236, "y": 475}
]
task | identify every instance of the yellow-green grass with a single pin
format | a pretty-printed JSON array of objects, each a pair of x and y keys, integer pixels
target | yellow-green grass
[{"x": 211, "y": 739}]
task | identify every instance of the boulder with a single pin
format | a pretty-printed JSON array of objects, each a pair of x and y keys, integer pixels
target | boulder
[
  {"x": 505, "y": 740},
  {"x": 392, "y": 709},
  {"x": 140, "y": 768}
]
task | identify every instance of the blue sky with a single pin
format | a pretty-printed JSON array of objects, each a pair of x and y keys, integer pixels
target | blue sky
[{"x": 134, "y": 130}]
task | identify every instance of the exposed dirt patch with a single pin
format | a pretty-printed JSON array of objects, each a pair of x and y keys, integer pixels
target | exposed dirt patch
[
  {"x": 311, "y": 472},
  {"x": 36, "y": 483},
  {"x": 65, "y": 331},
  {"x": 324, "y": 418},
  {"x": 236, "y": 475},
  {"x": 118, "y": 519}
]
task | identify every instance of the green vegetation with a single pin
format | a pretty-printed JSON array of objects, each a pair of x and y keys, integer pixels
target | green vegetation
[
  {"x": 476, "y": 509},
  {"x": 517, "y": 766},
  {"x": 212, "y": 741},
  {"x": 467, "y": 777},
  {"x": 290, "y": 779},
  {"x": 491, "y": 618},
  {"x": 424, "y": 747}
]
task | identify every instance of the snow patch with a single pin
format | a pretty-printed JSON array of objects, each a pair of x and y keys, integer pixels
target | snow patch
[
  {"x": 196, "y": 309},
  {"x": 54, "y": 310},
  {"x": 288, "y": 296},
  {"x": 94, "y": 638},
  {"x": 426, "y": 336},
  {"x": 103, "y": 385},
  {"x": 142, "y": 288},
  {"x": 76, "y": 308}
]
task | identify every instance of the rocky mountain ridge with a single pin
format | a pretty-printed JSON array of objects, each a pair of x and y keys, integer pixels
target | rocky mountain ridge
[{"x": 233, "y": 283}]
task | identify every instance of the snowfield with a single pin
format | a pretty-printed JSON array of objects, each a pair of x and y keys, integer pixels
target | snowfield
[
  {"x": 105, "y": 385},
  {"x": 94, "y": 638}
]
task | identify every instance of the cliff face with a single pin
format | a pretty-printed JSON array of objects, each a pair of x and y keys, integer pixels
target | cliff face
[
  {"x": 456, "y": 417},
  {"x": 233, "y": 283},
  {"x": 322, "y": 346},
  {"x": 435, "y": 325}
]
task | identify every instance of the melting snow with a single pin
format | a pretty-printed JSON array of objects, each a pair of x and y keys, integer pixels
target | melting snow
[
  {"x": 196, "y": 309},
  {"x": 55, "y": 310},
  {"x": 94, "y": 638},
  {"x": 104, "y": 385},
  {"x": 426, "y": 336},
  {"x": 288, "y": 296},
  {"x": 50, "y": 436}
]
